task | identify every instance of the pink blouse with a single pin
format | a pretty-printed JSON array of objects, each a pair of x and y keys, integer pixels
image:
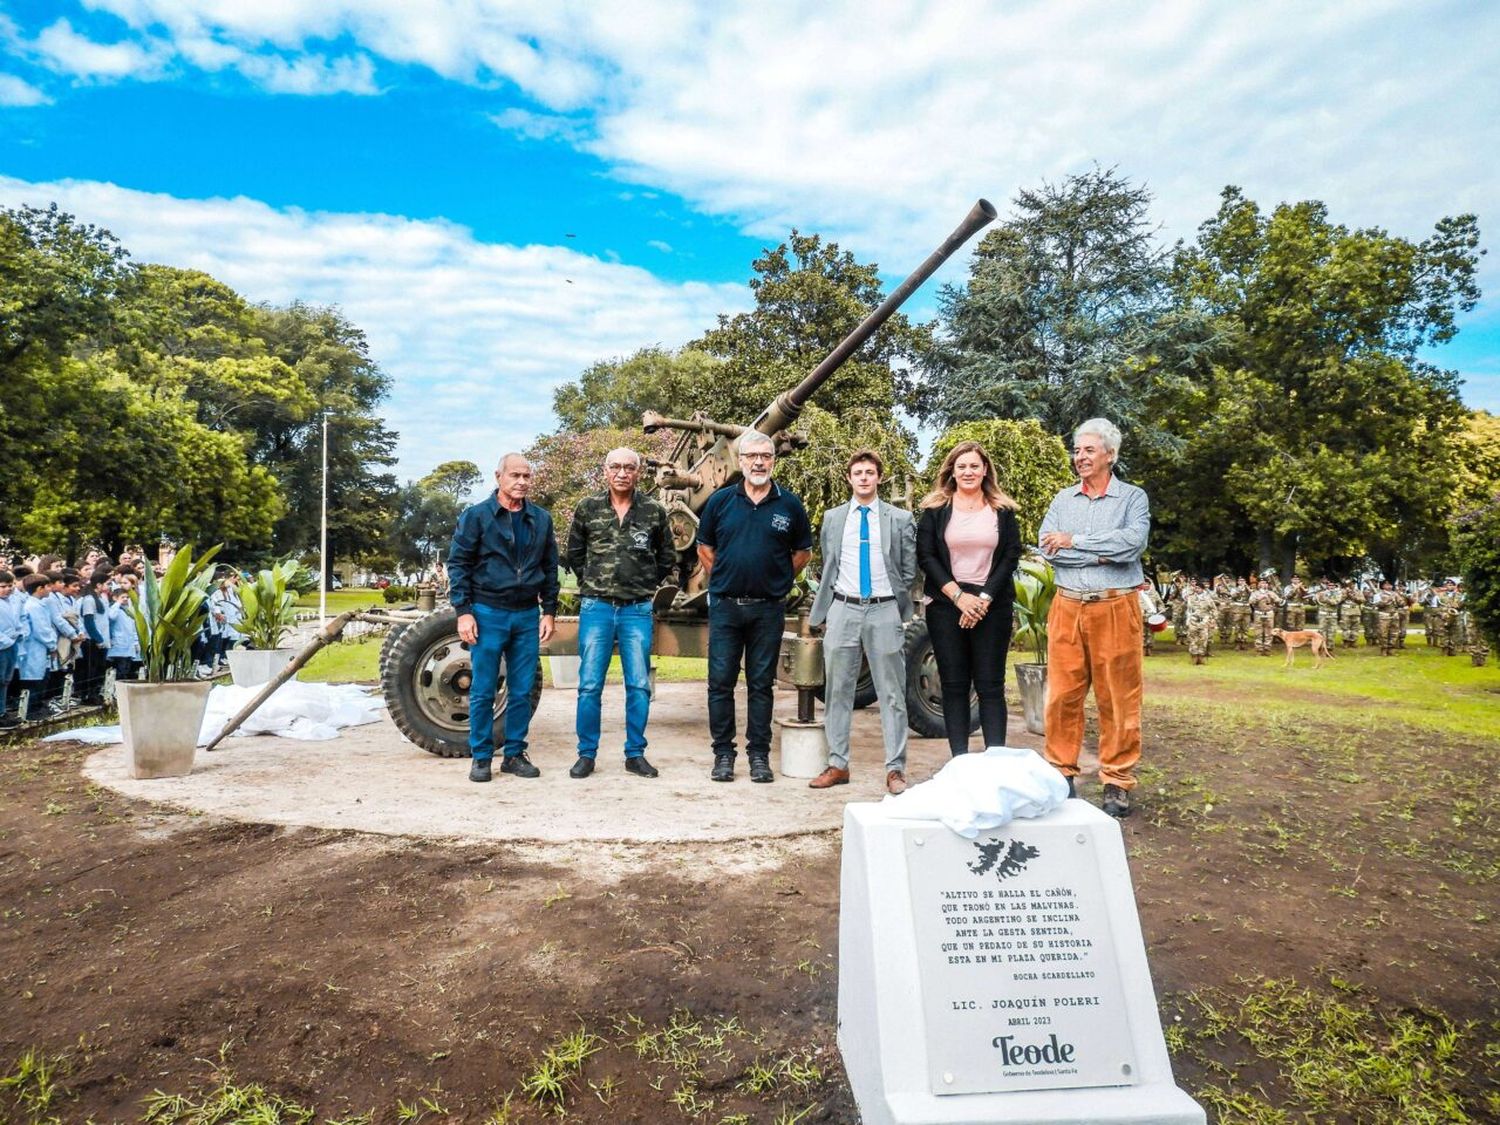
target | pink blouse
[{"x": 972, "y": 538}]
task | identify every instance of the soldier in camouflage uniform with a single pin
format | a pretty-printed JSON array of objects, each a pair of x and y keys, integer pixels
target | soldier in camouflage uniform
[
  {"x": 1404, "y": 602},
  {"x": 1223, "y": 608},
  {"x": 1202, "y": 612},
  {"x": 1151, "y": 603},
  {"x": 1263, "y": 603},
  {"x": 1386, "y": 603},
  {"x": 1294, "y": 612},
  {"x": 1329, "y": 598},
  {"x": 1239, "y": 600},
  {"x": 1368, "y": 617},
  {"x": 620, "y": 547},
  {"x": 1350, "y": 608},
  {"x": 1177, "y": 599},
  {"x": 1451, "y": 627}
]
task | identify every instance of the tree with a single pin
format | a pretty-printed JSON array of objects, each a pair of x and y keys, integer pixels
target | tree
[
  {"x": 1062, "y": 301},
  {"x": 568, "y": 466},
  {"x": 614, "y": 393},
  {"x": 1476, "y": 538},
  {"x": 808, "y": 297},
  {"x": 1031, "y": 465},
  {"x": 1314, "y": 429},
  {"x": 455, "y": 479},
  {"x": 818, "y": 473}
]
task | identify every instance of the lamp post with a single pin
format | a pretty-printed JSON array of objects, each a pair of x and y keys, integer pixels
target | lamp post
[{"x": 323, "y": 545}]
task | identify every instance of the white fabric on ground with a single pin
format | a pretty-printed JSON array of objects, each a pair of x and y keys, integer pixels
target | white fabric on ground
[
  {"x": 312, "y": 712},
  {"x": 975, "y": 792}
]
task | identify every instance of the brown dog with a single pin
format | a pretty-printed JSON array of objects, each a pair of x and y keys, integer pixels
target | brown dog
[{"x": 1296, "y": 638}]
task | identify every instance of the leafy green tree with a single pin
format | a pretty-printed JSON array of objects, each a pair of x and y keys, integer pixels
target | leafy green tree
[
  {"x": 1061, "y": 304},
  {"x": 809, "y": 295},
  {"x": 426, "y": 511},
  {"x": 1314, "y": 429},
  {"x": 568, "y": 466},
  {"x": 1476, "y": 539},
  {"x": 456, "y": 479},
  {"x": 818, "y": 473},
  {"x": 1031, "y": 465},
  {"x": 614, "y": 393}
]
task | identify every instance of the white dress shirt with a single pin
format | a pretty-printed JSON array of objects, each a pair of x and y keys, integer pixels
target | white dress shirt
[{"x": 848, "y": 580}]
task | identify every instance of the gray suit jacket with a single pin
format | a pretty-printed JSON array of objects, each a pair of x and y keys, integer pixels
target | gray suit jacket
[{"x": 898, "y": 540}]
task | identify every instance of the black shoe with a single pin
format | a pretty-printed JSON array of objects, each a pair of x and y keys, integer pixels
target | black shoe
[
  {"x": 520, "y": 765},
  {"x": 640, "y": 767},
  {"x": 9, "y": 722},
  {"x": 723, "y": 768},
  {"x": 582, "y": 768},
  {"x": 760, "y": 768},
  {"x": 1116, "y": 801},
  {"x": 1072, "y": 792},
  {"x": 480, "y": 770}
]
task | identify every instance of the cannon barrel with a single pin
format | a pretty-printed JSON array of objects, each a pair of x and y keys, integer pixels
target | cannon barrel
[
  {"x": 651, "y": 421},
  {"x": 788, "y": 405}
]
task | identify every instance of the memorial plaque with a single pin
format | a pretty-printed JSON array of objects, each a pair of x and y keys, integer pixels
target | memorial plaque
[{"x": 1020, "y": 983}]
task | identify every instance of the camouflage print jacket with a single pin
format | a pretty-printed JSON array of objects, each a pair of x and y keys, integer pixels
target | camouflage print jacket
[{"x": 622, "y": 561}]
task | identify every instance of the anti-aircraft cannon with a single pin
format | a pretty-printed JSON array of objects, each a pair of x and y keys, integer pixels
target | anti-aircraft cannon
[{"x": 424, "y": 667}]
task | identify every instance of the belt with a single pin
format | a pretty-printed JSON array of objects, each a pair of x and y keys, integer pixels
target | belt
[
  {"x": 744, "y": 601},
  {"x": 864, "y": 601},
  {"x": 616, "y": 601},
  {"x": 1092, "y": 595}
]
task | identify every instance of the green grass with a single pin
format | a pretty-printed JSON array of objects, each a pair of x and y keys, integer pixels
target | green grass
[
  {"x": 1419, "y": 687},
  {"x": 340, "y": 600}
]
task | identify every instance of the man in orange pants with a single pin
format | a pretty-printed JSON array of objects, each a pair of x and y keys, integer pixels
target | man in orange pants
[{"x": 1094, "y": 533}]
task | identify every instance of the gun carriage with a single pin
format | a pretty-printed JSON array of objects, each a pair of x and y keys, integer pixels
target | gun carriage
[{"x": 424, "y": 667}]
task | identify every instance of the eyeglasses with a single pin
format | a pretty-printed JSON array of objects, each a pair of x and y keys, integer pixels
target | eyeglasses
[
  {"x": 617, "y": 470},
  {"x": 757, "y": 456}
]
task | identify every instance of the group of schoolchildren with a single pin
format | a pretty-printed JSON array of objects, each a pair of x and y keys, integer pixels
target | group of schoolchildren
[{"x": 58, "y": 621}]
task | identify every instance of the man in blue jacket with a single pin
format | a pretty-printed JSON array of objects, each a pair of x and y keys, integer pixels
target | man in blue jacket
[{"x": 502, "y": 578}]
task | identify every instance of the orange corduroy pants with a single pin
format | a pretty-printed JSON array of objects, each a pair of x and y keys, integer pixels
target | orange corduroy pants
[{"x": 1098, "y": 645}]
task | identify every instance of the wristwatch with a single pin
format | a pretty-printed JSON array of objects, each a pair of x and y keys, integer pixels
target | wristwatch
[{"x": 984, "y": 596}]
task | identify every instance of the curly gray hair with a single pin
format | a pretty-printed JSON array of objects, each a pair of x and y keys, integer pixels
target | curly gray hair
[{"x": 1107, "y": 432}]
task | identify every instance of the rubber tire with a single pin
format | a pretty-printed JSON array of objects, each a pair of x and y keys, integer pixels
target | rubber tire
[
  {"x": 387, "y": 645},
  {"x": 924, "y": 694},
  {"x": 864, "y": 687},
  {"x": 398, "y": 685}
]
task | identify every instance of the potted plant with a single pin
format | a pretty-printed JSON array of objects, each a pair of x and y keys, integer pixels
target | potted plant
[
  {"x": 161, "y": 715},
  {"x": 1036, "y": 585},
  {"x": 269, "y": 605}
]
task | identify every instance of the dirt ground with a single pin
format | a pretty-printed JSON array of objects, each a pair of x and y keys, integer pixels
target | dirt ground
[{"x": 153, "y": 948}]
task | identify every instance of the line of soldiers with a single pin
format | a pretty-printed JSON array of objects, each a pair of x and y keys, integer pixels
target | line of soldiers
[{"x": 1244, "y": 611}]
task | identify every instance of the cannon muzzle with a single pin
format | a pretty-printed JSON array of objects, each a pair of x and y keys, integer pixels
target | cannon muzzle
[{"x": 788, "y": 405}]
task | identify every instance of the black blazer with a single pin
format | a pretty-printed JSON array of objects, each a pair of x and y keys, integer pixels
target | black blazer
[{"x": 933, "y": 557}]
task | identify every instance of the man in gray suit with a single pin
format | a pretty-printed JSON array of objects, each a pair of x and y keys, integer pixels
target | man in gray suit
[{"x": 869, "y": 563}]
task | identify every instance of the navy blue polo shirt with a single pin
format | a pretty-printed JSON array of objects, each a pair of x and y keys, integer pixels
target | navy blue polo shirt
[{"x": 753, "y": 543}]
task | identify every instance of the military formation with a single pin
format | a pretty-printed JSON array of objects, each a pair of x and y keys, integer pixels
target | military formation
[{"x": 1245, "y": 612}]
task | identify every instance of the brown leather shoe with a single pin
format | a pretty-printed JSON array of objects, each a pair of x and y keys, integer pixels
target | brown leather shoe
[
  {"x": 829, "y": 778},
  {"x": 895, "y": 782}
]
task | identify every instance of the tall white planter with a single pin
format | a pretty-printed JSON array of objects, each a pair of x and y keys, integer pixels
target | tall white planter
[
  {"x": 251, "y": 667},
  {"x": 160, "y": 725}
]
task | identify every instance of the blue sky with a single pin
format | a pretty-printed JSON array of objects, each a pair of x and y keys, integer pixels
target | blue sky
[{"x": 502, "y": 193}]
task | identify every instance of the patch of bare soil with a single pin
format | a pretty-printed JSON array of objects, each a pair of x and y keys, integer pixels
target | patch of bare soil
[{"x": 356, "y": 972}]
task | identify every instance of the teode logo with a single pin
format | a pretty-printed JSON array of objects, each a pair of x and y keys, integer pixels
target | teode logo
[{"x": 1014, "y": 1054}]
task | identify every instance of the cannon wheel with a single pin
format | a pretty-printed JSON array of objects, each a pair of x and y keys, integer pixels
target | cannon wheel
[
  {"x": 425, "y": 680},
  {"x": 924, "y": 691}
]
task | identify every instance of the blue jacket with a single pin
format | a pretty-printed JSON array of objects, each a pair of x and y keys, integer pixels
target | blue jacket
[
  {"x": 484, "y": 566},
  {"x": 59, "y": 605},
  {"x": 39, "y": 648},
  {"x": 123, "y": 638},
  {"x": 12, "y": 625}
]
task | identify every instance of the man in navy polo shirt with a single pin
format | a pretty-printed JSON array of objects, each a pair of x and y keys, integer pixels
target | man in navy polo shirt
[
  {"x": 754, "y": 538},
  {"x": 502, "y": 579}
]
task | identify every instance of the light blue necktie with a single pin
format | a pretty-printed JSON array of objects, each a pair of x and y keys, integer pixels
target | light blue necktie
[{"x": 865, "y": 585}]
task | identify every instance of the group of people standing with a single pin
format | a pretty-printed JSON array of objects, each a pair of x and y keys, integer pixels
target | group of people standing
[
  {"x": 57, "y": 622},
  {"x": 1245, "y": 611},
  {"x": 752, "y": 540}
]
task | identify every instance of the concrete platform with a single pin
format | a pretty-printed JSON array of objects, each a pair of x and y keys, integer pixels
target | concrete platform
[{"x": 372, "y": 780}]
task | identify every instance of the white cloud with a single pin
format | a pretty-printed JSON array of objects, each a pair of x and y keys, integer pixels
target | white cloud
[
  {"x": 541, "y": 126},
  {"x": 66, "y": 51},
  {"x": 18, "y": 92},
  {"x": 475, "y": 335},
  {"x": 658, "y": 244}
]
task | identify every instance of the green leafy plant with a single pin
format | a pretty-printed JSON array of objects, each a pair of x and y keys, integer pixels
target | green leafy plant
[
  {"x": 1036, "y": 586},
  {"x": 169, "y": 611},
  {"x": 270, "y": 605}
]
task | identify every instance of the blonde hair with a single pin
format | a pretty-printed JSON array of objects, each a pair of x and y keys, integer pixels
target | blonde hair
[{"x": 942, "y": 492}]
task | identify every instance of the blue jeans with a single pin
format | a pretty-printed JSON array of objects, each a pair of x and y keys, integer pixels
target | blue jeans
[
  {"x": 513, "y": 633},
  {"x": 7, "y": 670},
  {"x": 753, "y": 632},
  {"x": 600, "y": 626}
]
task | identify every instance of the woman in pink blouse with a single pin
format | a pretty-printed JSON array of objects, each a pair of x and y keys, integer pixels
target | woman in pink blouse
[{"x": 968, "y": 544}]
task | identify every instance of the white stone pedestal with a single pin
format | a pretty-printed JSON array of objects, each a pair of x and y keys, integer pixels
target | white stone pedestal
[
  {"x": 1002, "y": 979},
  {"x": 803, "y": 748}
]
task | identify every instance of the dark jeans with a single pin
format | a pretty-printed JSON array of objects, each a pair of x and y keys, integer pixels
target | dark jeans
[
  {"x": 511, "y": 633},
  {"x": 126, "y": 667},
  {"x": 971, "y": 658},
  {"x": 753, "y": 632}
]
